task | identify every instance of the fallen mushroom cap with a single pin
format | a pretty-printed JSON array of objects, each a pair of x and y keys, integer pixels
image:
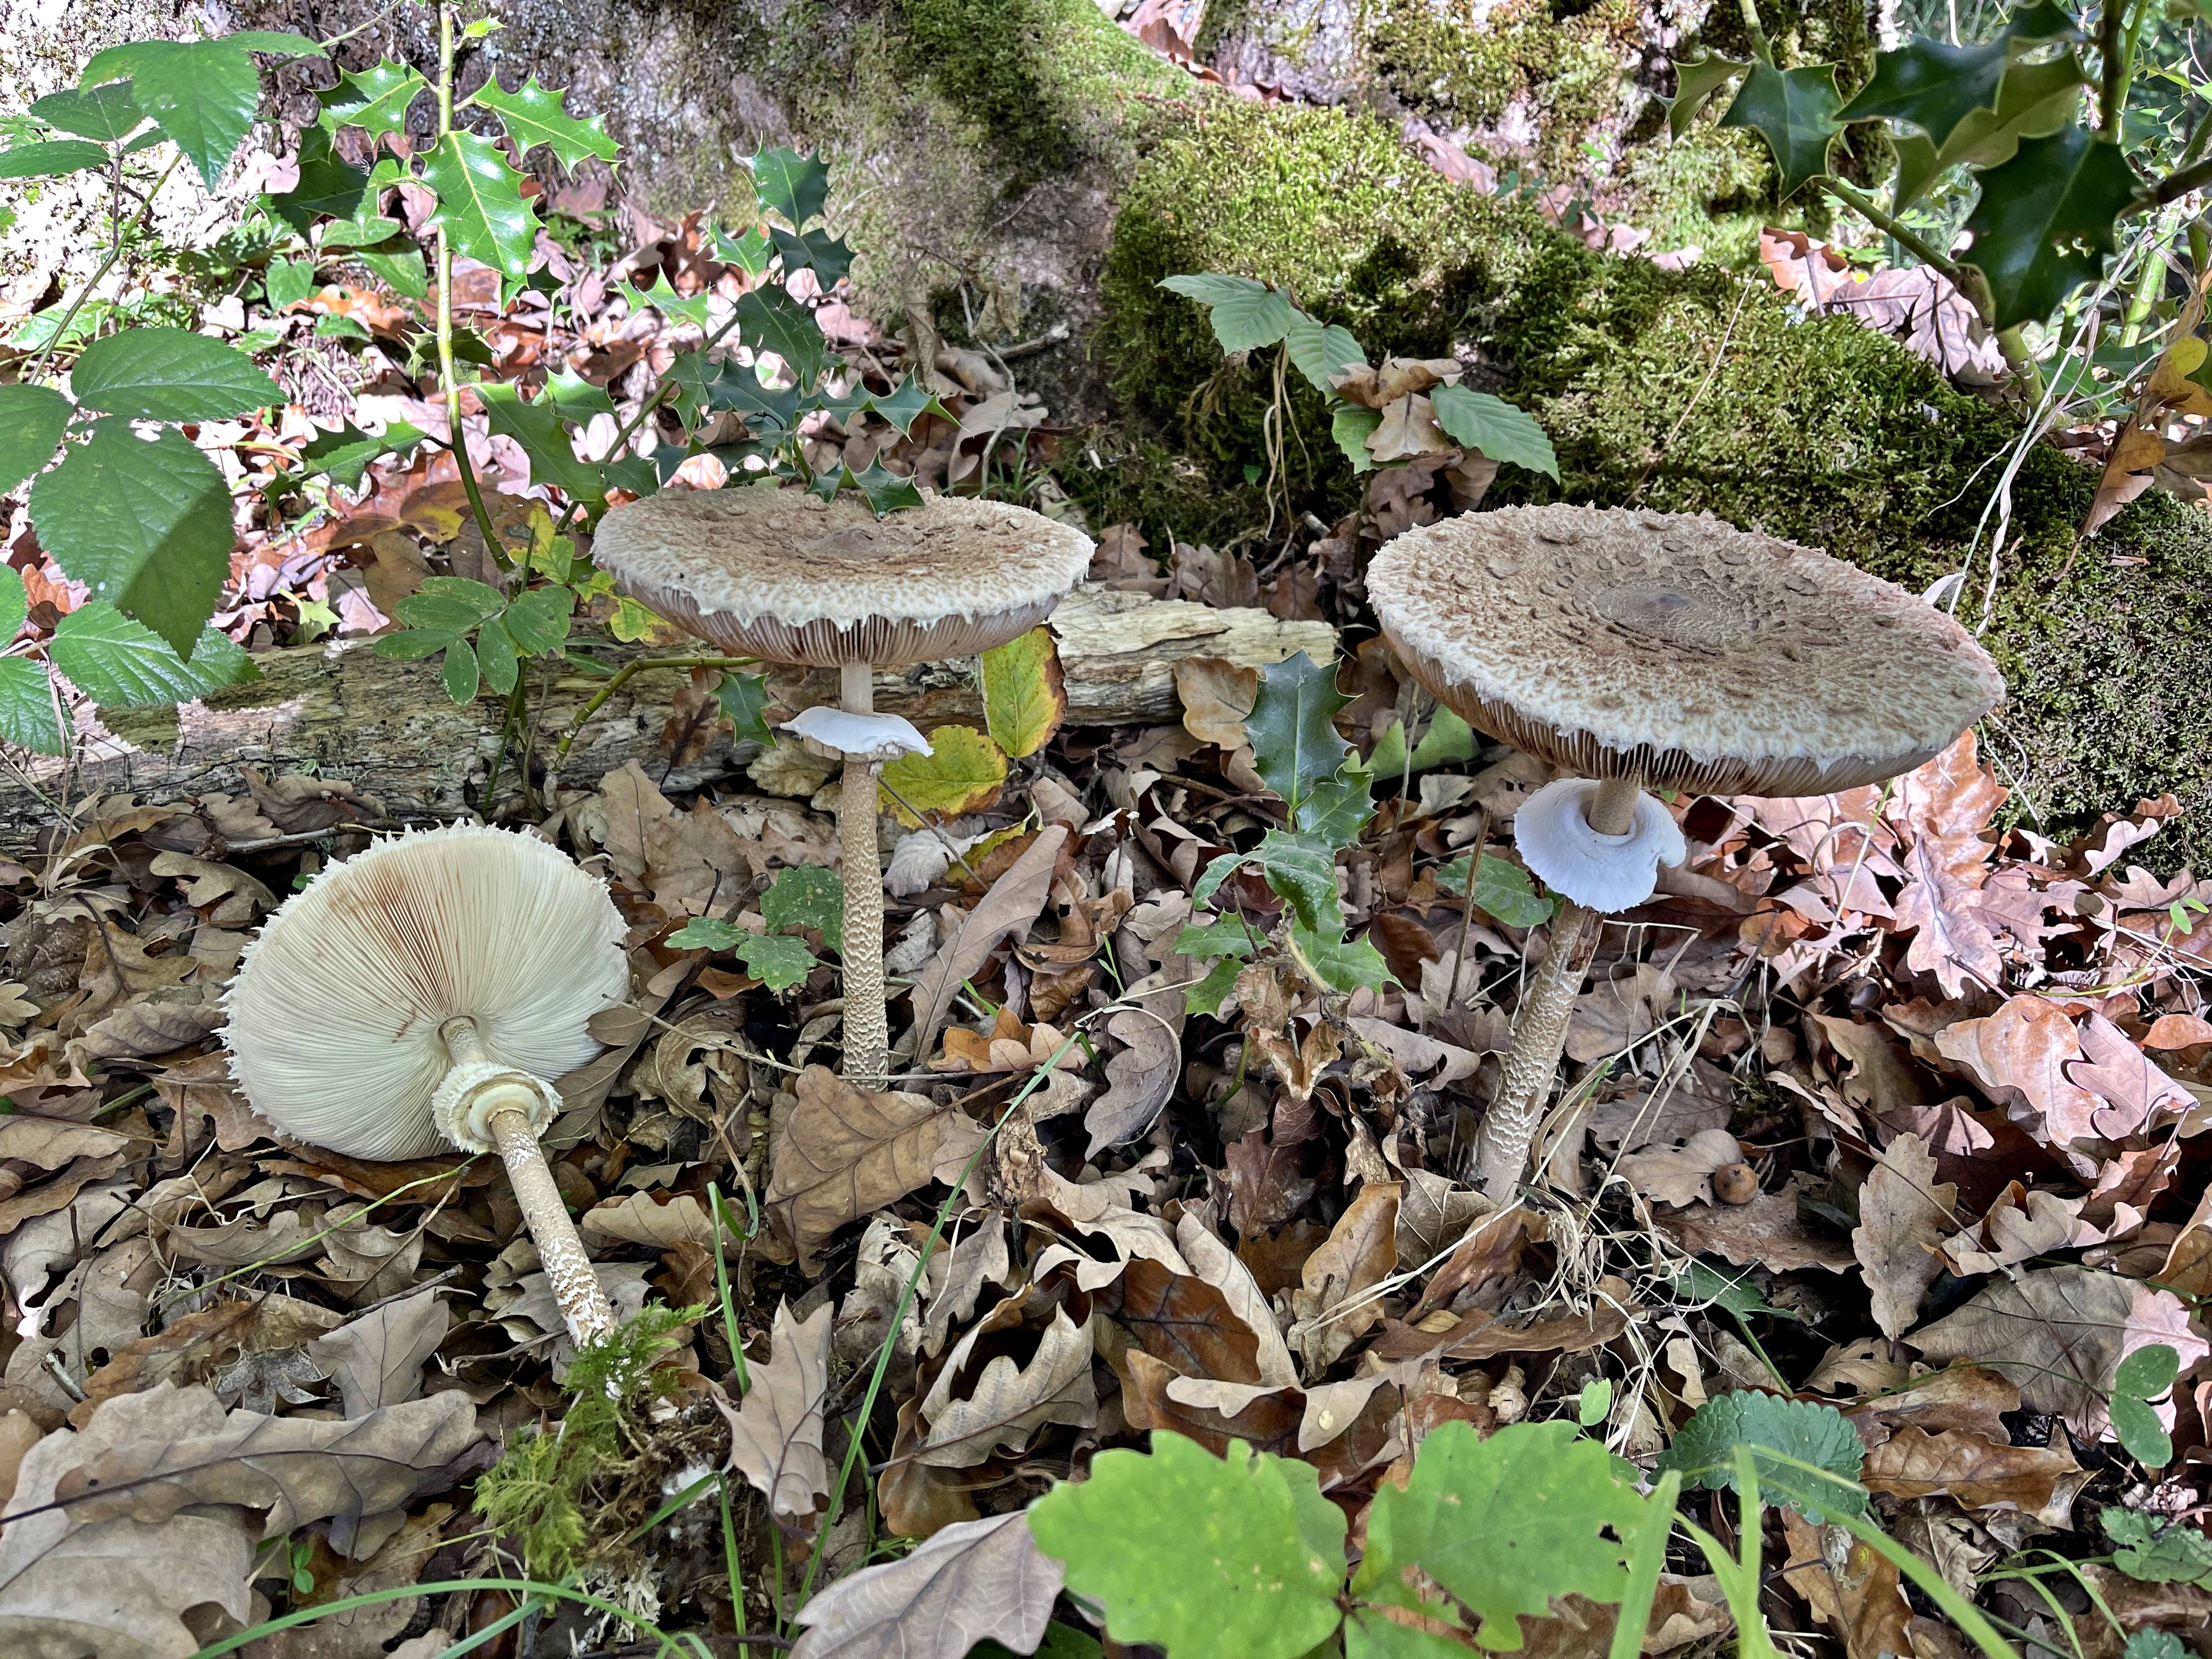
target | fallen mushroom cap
[
  {"x": 334, "y": 1016},
  {"x": 1677, "y": 649},
  {"x": 784, "y": 575}
]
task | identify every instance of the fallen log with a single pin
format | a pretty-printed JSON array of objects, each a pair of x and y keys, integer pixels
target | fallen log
[{"x": 338, "y": 710}]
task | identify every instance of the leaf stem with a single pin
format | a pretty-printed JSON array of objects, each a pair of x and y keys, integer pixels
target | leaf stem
[
  {"x": 2114, "y": 70},
  {"x": 1761, "y": 48}
]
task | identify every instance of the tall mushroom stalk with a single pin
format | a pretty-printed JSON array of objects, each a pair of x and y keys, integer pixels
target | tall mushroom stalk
[
  {"x": 419, "y": 996},
  {"x": 1635, "y": 648},
  {"x": 791, "y": 580}
]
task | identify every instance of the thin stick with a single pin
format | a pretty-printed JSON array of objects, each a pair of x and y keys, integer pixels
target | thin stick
[{"x": 1467, "y": 904}]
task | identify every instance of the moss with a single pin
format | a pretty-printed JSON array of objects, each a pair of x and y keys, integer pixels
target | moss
[
  {"x": 1688, "y": 391},
  {"x": 1035, "y": 78}
]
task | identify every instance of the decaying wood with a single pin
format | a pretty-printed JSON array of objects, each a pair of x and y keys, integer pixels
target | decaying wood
[{"x": 341, "y": 711}]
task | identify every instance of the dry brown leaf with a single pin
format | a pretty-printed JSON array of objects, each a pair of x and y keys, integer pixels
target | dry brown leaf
[
  {"x": 2021, "y": 1055},
  {"x": 970, "y": 1420},
  {"x": 1766, "y": 1230},
  {"x": 1005, "y": 912},
  {"x": 775, "y": 1430},
  {"x": 1267, "y": 1422},
  {"x": 659, "y": 1219},
  {"x": 1217, "y": 698},
  {"x": 377, "y": 1359},
  {"x": 1980, "y": 1473},
  {"x": 1361, "y": 1252},
  {"x": 956, "y": 1275},
  {"x": 1961, "y": 1396},
  {"x": 1903, "y": 1212},
  {"x": 1682, "y": 1174},
  {"x": 1580, "y": 1629},
  {"x": 1855, "y": 1592},
  {"x": 2021, "y": 1225},
  {"x": 51, "y": 1142},
  {"x": 844, "y": 1154},
  {"x": 1614, "y": 1014},
  {"x": 2059, "y": 1334},
  {"x": 975, "y": 1581},
  {"x": 1139, "y": 1078},
  {"x": 1183, "y": 1320}
]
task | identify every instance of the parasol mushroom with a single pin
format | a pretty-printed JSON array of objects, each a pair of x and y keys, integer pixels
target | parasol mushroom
[
  {"x": 419, "y": 995},
  {"x": 1643, "y": 648},
  {"x": 788, "y": 578}
]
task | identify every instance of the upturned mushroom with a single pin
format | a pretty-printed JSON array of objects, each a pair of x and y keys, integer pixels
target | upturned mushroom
[
  {"x": 420, "y": 995},
  {"x": 1641, "y": 649},
  {"x": 787, "y": 578}
]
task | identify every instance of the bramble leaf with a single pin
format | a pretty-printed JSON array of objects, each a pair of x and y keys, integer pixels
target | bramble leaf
[
  {"x": 118, "y": 664},
  {"x": 169, "y": 375},
  {"x": 145, "y": 525},
  {"x": 28, "y": 708},
  {"x": 1201, "y": 1555},
  {"x": 1808, "y": 1455},
  {"x": 538, "y": 620},
  {"x": 31, "y": 421},
  {"x": 204, "y": 93},
  {"x": 103, "y": 114},
  {"x": 1504, "y": 1525},
  {"x": 1024, "y": 693},
  {"x": 1476, "y": 420},
  {"x": 51, "y": 158},
  {"x": 536, "y": 114},
  {"x": 2043, "y": 224},
  {"x": 480, "y": 203},
  {"x": 1795, "y": 111}
]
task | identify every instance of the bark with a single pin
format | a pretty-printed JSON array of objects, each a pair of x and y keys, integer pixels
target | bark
[{"x": 341, "y": 711}]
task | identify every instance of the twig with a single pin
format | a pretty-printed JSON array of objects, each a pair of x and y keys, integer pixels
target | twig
[
  {"x": 958, "y": 857},
  {"x": 623, "y": 676},
  {"x": 1467, "y": 904}
]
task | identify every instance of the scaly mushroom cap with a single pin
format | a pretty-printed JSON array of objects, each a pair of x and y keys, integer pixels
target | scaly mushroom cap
[
  {"x": 336, "y": 1009},
  {"x": 790, "y": 578},
  {"x": 1677, "y": 648}
]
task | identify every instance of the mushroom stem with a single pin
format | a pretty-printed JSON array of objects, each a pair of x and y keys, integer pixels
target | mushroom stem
[
  {"x": 867, "y": 1034},
  {"x": 1539, "y": 1026},
  {"x": 505, "y": 1108}
]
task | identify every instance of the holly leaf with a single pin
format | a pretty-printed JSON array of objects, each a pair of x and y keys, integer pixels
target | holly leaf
[
  {"x": 1216, "y": 940},
  {"x": 1504, "y": 1525},
  {"x": 964, "y": 772},
  {"x": 2043, "y": 224},
  {"x": 828, "y": 257},
  {"x": 1477, "y": 421},
  {"x": 1024, "y": 693},
  {"x": 769, "y": 320},
  {"x": 1808, "y": 1455},
  {"x": 344, "y": 455},
  {"x": 664, "y": 299},
  {"x": 1501, "y": 890},
  {"x": 536, "y": 115},
  {"x": 144, "y": 524},
  {"x": 480, "y": 203},
  {"x": 169, "y": 375},
  {"x": 1246, "y": 314},
  {"x": 905, "y": 404},
  {"x": 1301, "y": 870},
  {"x": 1696, "y": 80},
  {"x": 1795, "y": 111},
  {"x": 804, "y": 896},
  {"x": 119, "y": 664},
  {"x": 103, "y": 114},
  {"x": 796, "y": 186},
  {"x": 750, "y": 252},
  {"x": 1200, "y": 1555},
  {"x": 31, "y": 421},
  {"x": 1294, "y": 744},
  {"x": 328, "y": 185},
  {"x": 537, "y": 427},
  {"x": 743, "y": 698},
  {"x": 2035, "y": 101},
  {"x": 1343, "y": 965},
  {"x": 1338, "y": 808},
  {"x": 374, "y": 100},
  {"x": 1932, "y": 85},
  {"x": 51, "y": 158},
  {"x": 886, "y": 491},
  {"x": 1319, "y": 350}
]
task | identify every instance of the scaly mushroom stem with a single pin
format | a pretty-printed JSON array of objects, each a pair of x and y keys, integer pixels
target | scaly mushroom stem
[
  {"x": 1539, "y": 1027},
  {"x": 867, "y": 1034},
  {"x": 503, "y": 1105}
]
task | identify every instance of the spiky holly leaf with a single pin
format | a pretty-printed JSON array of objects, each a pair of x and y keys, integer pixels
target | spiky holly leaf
[
  {"x": 1212, "y": 941},
  {"x": 1931, "y": 85},
  {"x": 1795, "y": 111},
  {"x": 536, "y": 114},
  {"x": 679, "y": 307},
  {"x": 1246, "y": 314},
  {"x": 1504, "y": 1525},
  {"x": 805, "y": 895},
  {"x": 329, "y": 186},
  {"x": 31, "y": 421},
  {"x": 743, "y": 698},
  {"x": 828, "y": 257},
  {"x": 1294, "y": 744},
  {"x": 796, "y": 186},
  {"x": 964, "y": 772},
  {"x": 1200, "y": 1555},
  {"x": 103, "y": 114},
  {"x": 750, "y": 251},
  {"x": 2035, "y": 101},
  {"x": 344, "y": 455},
  {"x": 769, "y": 320},
  {"x": 1807, "y": 1455},
  {"x": 886, "y": 491},
  {"x": 1477, "y": 421},
  {"x": 1301, "y": 869},
  {"x": 480, "y": 203},
  {"x": 374, "y": 100},
  {"x": 1696, "y": 80},
  {"x": 544, "y": 438},
  {"x": 144, "y": 524},
  {"x": 1501, "y": 890},
  {"x": 2043, "y": 224},
  {"x": 905, "y": 404},
  {"x": 1024, "y": 693},
  {"x": 1343, "y": 965},
  {"x": 118, "y": 664}
]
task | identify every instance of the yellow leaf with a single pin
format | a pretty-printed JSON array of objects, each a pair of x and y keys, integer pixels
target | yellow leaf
[
  {"x": 1024, "y": 693},
  {"x": 2139, "y": 448},
  {"x": 964, "y": 772},
  {"x": 632, "y": 620}
]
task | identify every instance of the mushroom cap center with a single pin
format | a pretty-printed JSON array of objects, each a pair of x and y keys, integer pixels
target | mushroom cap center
[{"x": 1680, "y": 613}]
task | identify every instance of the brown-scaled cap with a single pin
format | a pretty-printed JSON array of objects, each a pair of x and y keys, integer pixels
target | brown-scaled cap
[
  {"x": 335, "y": 1014},
  {"x": 783, "y": 576},
  {"x": 1678, "y": 649}
]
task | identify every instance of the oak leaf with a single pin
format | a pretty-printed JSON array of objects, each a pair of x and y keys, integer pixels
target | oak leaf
[
  {"x": 775, "y": 1430},
  {"x": 1903, "y": 1212},
  {"x": 1006, "y": 1401},
  {"x": 1332, "y": 1305},
  {"x": 843, "y": 1154},
  {"x": 1979, "y": 1472},
  {"x": 971, "y": 1581}
]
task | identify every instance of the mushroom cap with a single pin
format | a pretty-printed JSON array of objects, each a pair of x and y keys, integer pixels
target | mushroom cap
[
  {"x": 335, "y": 1014},
  {"x": 1677, "y": 649},
  {"x": 788, "y": 577}
]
